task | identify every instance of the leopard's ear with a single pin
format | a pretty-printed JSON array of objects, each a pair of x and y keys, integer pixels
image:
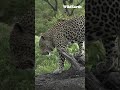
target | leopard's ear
[{"x": 18, "y": 27}]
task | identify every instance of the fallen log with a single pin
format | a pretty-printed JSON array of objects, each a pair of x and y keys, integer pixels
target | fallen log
[{"x": 72, "y": 79}]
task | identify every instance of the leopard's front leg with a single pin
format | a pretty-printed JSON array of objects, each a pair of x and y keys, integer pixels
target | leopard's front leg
[
  {"x": 60, "y": 43},
  {"x": 60, "y": 67}
]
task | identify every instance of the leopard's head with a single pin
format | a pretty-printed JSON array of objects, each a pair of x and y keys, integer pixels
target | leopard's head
[{"x": 46, "y": 45}]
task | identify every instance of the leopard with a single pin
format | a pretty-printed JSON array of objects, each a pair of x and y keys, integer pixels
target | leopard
[
  {"x": 22, "y": 40},
  {"x": 62, "y": 35},
  {"x": 103, "y": 23}
]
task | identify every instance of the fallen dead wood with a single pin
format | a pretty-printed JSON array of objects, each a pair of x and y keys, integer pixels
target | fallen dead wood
[
  {"x": 72, "y": 79},
  {"x": 72, "y": 60}
]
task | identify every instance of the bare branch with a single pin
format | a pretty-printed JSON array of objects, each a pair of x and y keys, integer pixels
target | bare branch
[
  {"x": 56, "y": 5},
  {"x": 53, "y": 7}
]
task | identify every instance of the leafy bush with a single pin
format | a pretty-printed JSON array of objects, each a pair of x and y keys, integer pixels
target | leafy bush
[{"x": 45, "y": 64}]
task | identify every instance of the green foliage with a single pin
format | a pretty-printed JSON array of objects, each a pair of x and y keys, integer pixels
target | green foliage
[{"x": 45, "y": 64}]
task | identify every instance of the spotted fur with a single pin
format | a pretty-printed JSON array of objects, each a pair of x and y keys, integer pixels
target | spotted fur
[{"x": 103, "y": 23}]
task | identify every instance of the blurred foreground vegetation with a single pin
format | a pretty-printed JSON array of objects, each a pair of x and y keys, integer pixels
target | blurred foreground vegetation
[{"x": 10, "y": 77}]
